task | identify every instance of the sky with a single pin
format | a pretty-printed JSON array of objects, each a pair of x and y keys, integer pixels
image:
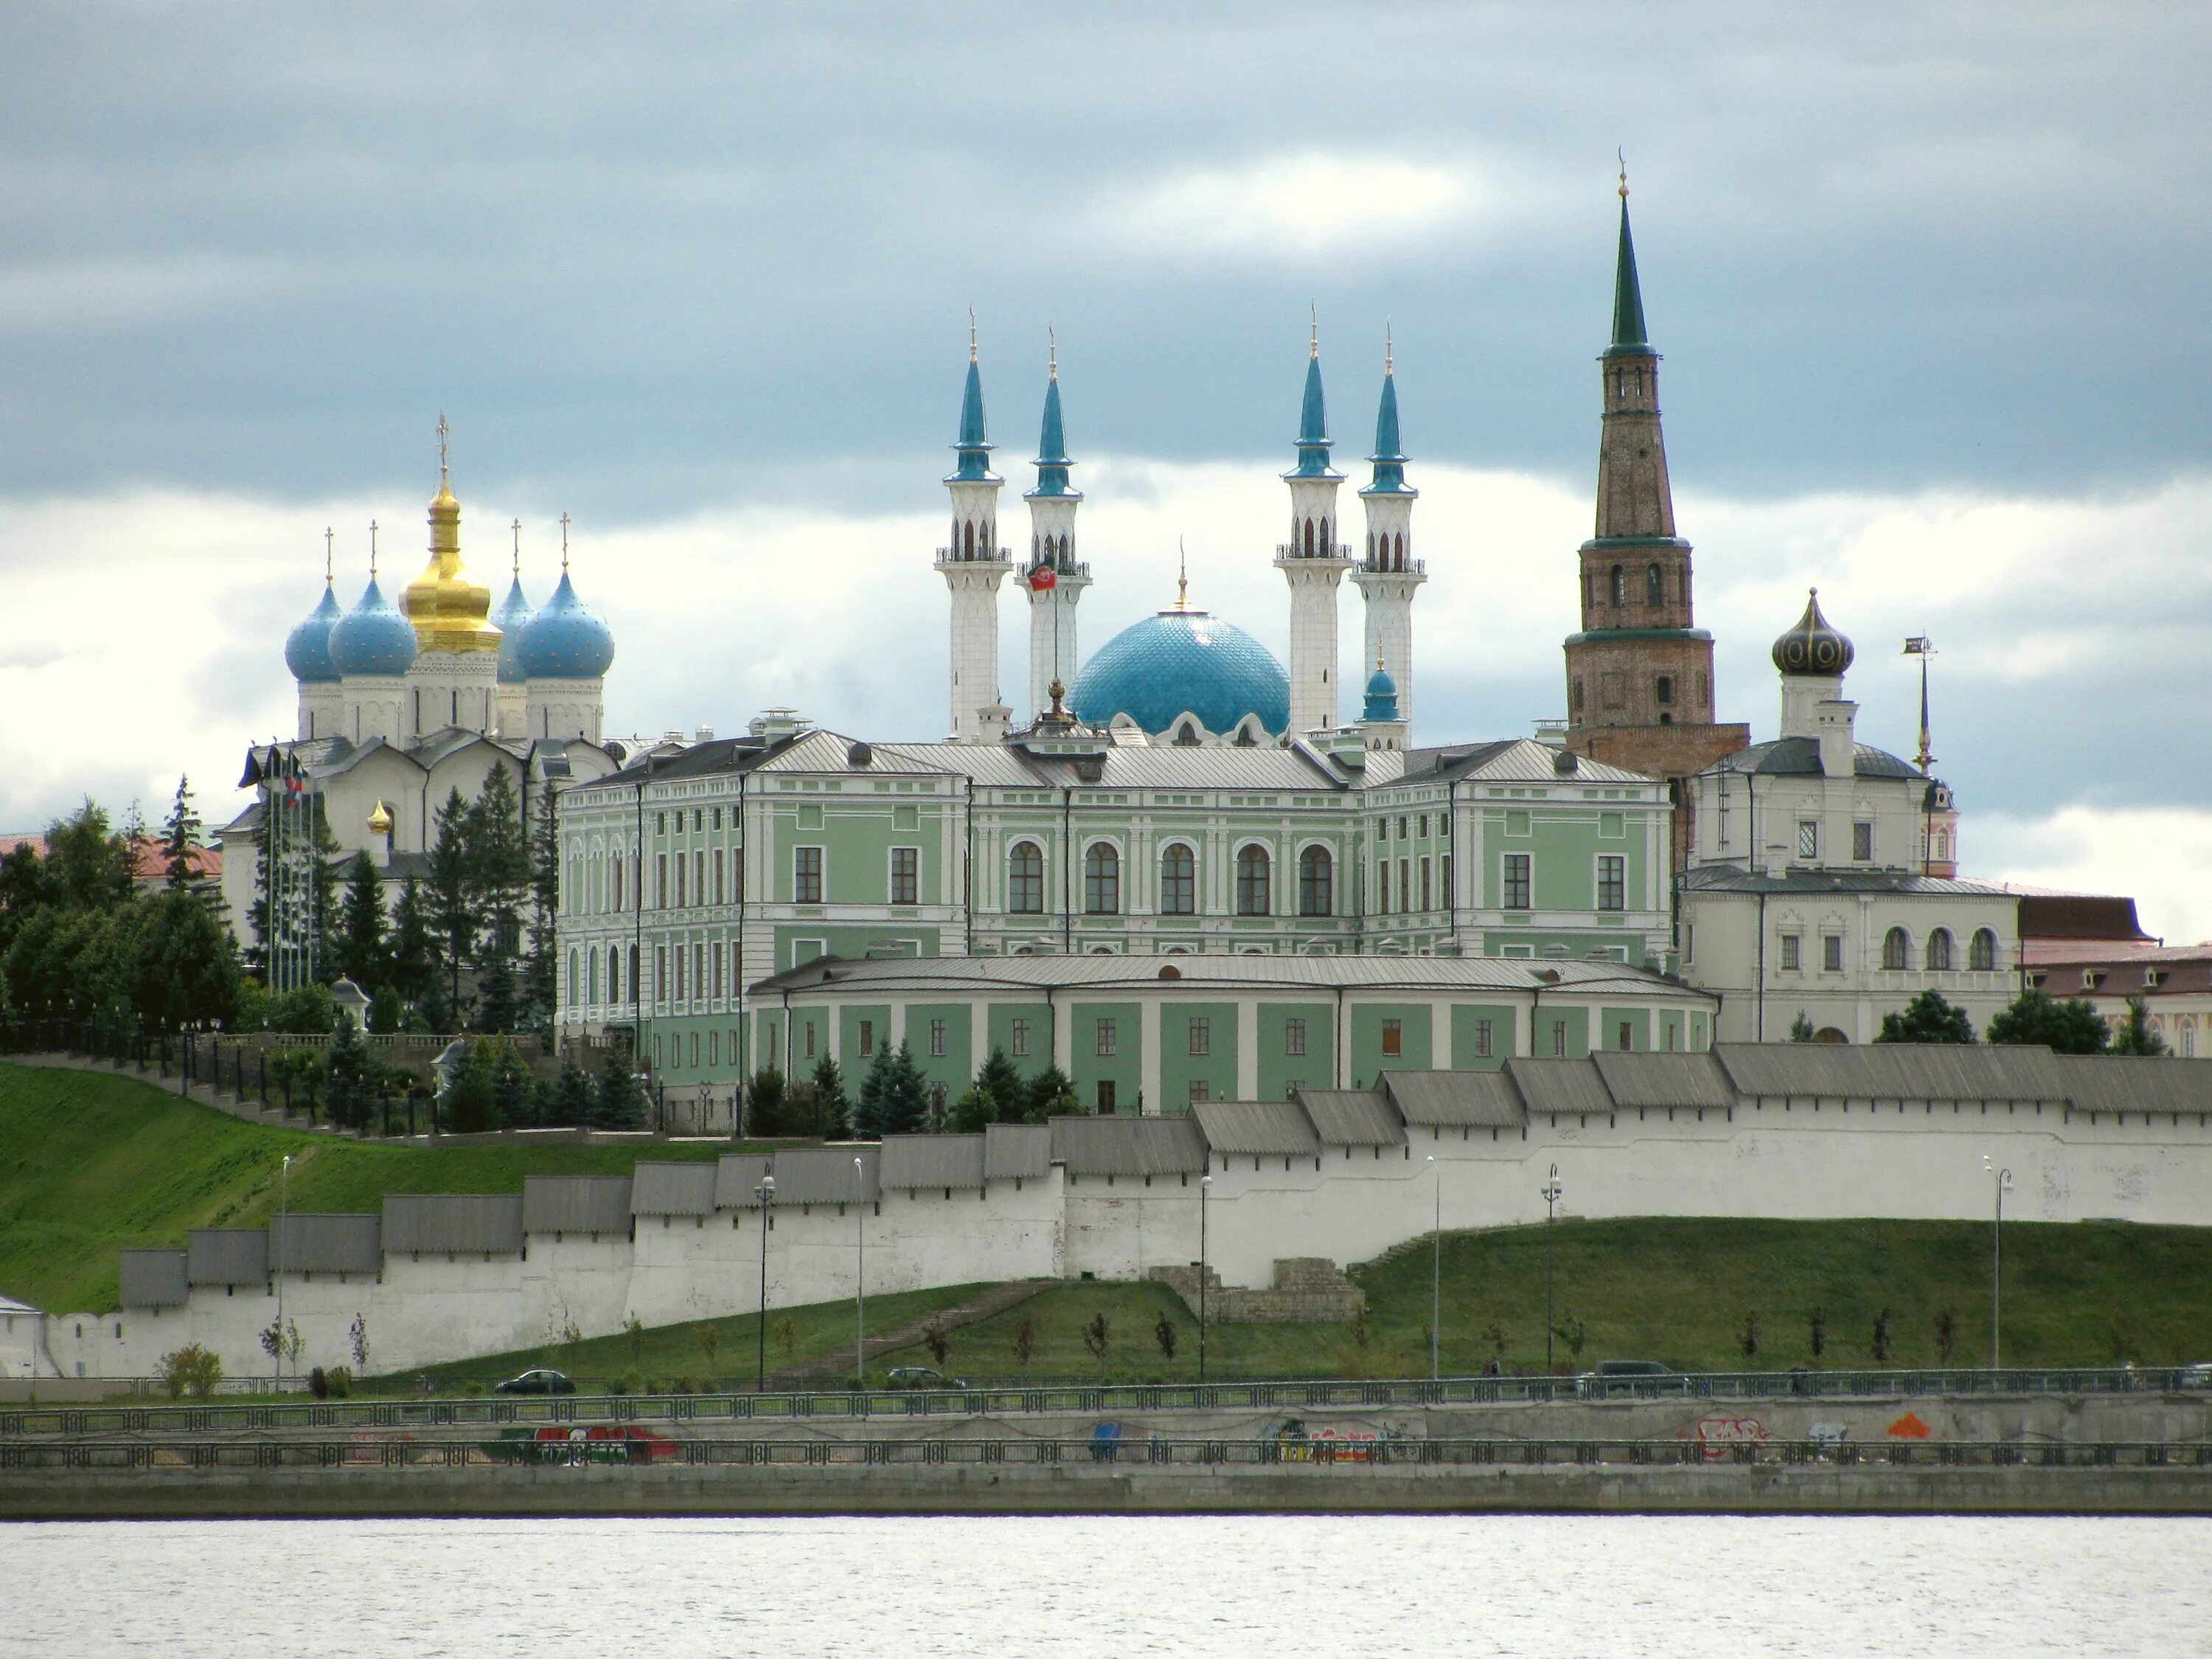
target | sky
[{"x": 1928, "y": 279}]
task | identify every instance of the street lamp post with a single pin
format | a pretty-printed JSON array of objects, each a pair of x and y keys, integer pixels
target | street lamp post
[
  {"x": 283, "y": 1226},
  {"x": 766, "y": 1193},
  {"x": 2003, "y": 1178},
  {"x": 859, "y": 1274},
  {"x": 1436, "y": 1279},
  {"x": 1205, "y": 1187},
  {"x": 1552, "y": 1190}
]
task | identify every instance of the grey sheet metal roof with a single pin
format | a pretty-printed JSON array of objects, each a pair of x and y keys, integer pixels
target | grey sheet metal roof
[
  {"x": 2134, "y": 1083},
  {"x": 736, "y": 1174},
  {"x": 1555, "y": 1087},
  {"x": 155, "y": 1279},
  {"x": 577, "y": 1204},
  {"x": 672, "y": 1189},
  {"x": 1271, "y": 1129},
  {"x": 1128, "y": 1145},
  {"x": 1734, "y": 879},
  {"x": 1017, "y": 1151},
  {"x": 1892, "y": 1071},
  {"x": 1456, "y": 1100},
  {"x": 313, "y": 1243},
  {"x": 1515, "y": 760},
  {"x": 915, "y": 1163},
  {"x": 227, "y": 1255},
  {"x": 1352, "y": 1117},
  {"x": 1665, "y": 1079},
  {"x": 459, "y": 1223},
  {"x": 916, "y": 975},
  {"x": 1800, "y": 757},
  {"x": 823, "y": 1174}
]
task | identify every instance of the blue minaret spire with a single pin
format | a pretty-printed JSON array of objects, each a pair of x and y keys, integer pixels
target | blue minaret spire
[
  {"x": 1390, "y": 456},
  {"x": 1052, "y": 461},
  {"x": 974, "y": 450},
  {"x": 1313, "y": 417},
  {"x": 1388, "y": 575}
]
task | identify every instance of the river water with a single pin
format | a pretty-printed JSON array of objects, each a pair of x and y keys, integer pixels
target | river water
[{"x": 1262, "y": 1588}]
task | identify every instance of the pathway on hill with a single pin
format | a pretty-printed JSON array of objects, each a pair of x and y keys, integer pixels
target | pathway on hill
[{"x": 839, "y": 1363}]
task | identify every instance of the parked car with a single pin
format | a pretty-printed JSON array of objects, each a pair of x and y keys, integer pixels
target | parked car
[
  {"x": 920, "y": 1377},
  {"x": 2194, "y": 1377},
  {"x": 1629, "y": 1377},
  {"x": 542, "y": 1380}
]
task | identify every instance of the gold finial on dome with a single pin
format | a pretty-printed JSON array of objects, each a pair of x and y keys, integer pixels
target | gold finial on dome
[
  {"x": 1182, "y": 577},
  {"x": 329, "y": 540},
  {"x": 380, "y": 819},
  {"x": 564, "y": 543},
  {"x": 517, "y": 566},
  {"x": 1622, "y": 156},
  {"x": 449, "y": 611}
]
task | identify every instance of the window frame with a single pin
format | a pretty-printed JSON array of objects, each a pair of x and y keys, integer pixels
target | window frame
[
  {"x": 1516, "y": 875},
  {"x": 1178, "y": 886},
  {"x": 802, "y": 876},
  {"x": 1102, "y": 879},
  {"x": 1255, "y": 880},
  {"x": 1025, "y": 878},
  {"x": 905, "y": 886}
]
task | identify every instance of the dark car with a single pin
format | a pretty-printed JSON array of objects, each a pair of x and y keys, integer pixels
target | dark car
[
  {"x": 920, "y": 1377},
  {"x": 537, "y": 1382},
  {"x": 1629, "y": 1377}
]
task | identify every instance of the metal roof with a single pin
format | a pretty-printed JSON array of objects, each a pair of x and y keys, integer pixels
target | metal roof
[
  {"x": 1352, "y": 1117},
  {"x": 736, "y": 1174},
  {"x": 456, "y": 1222},
  {"x": 576, "y": 1204},
  {"x": 155, "y": 1279},
  {"x": 1513, "y": 760},
  {"x": 1128, "y": 1145},
  {"x": 1665, "y": 1079},
  {"x": 1455, "y": 1100},
  {"x": 1892, "y": 1071},
  {"x": 2134, "y": 1083},
  {"x": 1555, "y": 1087},
  {"x": 1734, "y": 879},
  {"x": 1017, "y": 1151},
  {"x": 823, "y": 1174},
  {"x": 672, "y": 1189},
  {"x": 312, "y": 1243},
  {"x": 227, "y": 1255},
  {"x": 1271, "y": 1129},
  {"x": 915, "y": 1163}
]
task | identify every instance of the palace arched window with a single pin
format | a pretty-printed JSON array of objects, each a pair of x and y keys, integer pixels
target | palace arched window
[
  {"x": 1253, "y": 869},
  {"x": 1982, "y": 951},
  {"x": 1025, "y": 879},
  {"x": 1655, "y": 587},
  {"x": 1316, "y": 883},
  {"x": 1178, "y": 882},
  {"x": 1896, "y": 949},
  {"x": 1939, "y": 950},
  {"x": 614, "y": 973},
  {"x": 1101, "y": 880}
]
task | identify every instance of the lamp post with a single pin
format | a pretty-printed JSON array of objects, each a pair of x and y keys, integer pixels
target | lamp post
[
  {"x": 1205, "y": 1188},
  {"x": 766, "y": 1193},
  {"x": 1552, "y": 1190},
  {"x": 1436, "y": 1279},
  {"x": 2002, "y": 1179},
  {"x": 283, "y": 1214},
  {"x": 859, "y": 1274}
]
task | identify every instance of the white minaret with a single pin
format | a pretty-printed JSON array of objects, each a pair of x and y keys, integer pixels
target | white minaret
[
  {"x": 1313, "y": 563},
  {"x": 1388, "y": 574},
  {"x": 1054, "y": 578},
  {"x": 973, "y": 564}
]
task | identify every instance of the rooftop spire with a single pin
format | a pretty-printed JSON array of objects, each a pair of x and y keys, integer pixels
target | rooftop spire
[
  {"x": 516, "y": 567},
  {"x": 1313, "y": 443},
  {"x": 372, "y": 549},
  {"x": 1389, "y": 457},
  {"x": 1628, "y": 334},
  {"x": 564, "y": 543},
  {"x": 330, "y": 537},
  {"x": 1052, "y": 461},
  {"x": 975, "y": 465}
]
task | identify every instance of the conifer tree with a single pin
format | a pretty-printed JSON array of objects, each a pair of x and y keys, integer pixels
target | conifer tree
[
  {"x": 541, "y": 977},
  {"x": 875, "y": 1090},
  {"x": 510, "y": 1088},
  {"x": 621, "y": 1102},
  {"x": 361, "y": 946},
  {"x": 2136, "y": 1035},
  {"x": 450, "y": 896},
  {"x": 572, "y": 1105},
  {"x": 766, "y": 1101},
  {"x": 999, "y": 1081},
  {"x": 905, "y": 1109},
  {"x": 349, "y": 1076},
  {"x": 834, "y": 1121},
  {"x": 322, "y": 890},
  {"x": 410, "y": 952},
  {"x": 1051, "y": 1095},
  {"x": 499, "y": 861},
  {"x": 180, "y": 836}
]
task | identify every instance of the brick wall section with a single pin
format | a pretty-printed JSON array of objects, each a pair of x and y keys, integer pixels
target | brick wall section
[{"x": 1308, "y": 1291}]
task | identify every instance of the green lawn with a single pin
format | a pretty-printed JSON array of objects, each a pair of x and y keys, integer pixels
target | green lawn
[{"x": 92, "y": 1163}]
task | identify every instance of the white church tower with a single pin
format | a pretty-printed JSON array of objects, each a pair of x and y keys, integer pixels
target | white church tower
[
  {"x": 1054, "y": 578},
  {"x": 972, "y": 564},
  {"x": 454, "y": 679},
  {"x": 1313, "y": 563},
  {"x": 1388, "y": 574}
]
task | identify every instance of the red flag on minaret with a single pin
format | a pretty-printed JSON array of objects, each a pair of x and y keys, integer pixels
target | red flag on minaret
[{"x": 1043, "y": 578}]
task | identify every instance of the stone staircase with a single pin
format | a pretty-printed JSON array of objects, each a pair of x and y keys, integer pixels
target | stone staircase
[
  {"x": 840, "y": 1363},
  {"x": 1309, "y": 1290}
]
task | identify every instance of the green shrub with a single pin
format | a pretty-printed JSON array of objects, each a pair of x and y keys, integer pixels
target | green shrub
[{"x": 191, "y": 1370}]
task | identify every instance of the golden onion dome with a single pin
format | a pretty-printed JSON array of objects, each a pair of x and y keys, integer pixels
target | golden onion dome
[
  {"x": 449, "y": 611},
  {"x": 379, "y": 820}
]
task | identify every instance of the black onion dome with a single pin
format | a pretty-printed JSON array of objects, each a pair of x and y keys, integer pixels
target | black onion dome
[{"x": 1812, "y": 646}]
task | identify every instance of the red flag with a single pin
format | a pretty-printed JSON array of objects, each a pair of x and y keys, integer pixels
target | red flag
[{"x": 1043, "y": 578}]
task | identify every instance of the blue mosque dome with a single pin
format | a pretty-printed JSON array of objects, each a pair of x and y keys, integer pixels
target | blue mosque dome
[
  {"x": 1382, "y": 696},
  {"x": 566, "y": 640},
  {"x": 1183, "y": 661},
  {"x": 373, "y": 637},
  {"x": 514, "y": 615},
  {"x": 307, "y": 650}
]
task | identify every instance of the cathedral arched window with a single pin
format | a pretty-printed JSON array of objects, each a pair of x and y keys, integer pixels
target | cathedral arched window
[
  {"x": 1253, "y": 870},
  {"x": 1655, "y": 587},
  {"x": 614, "y": 973},
  {"x": 1370, "y": 546},
  {"x": 1186, "y": 736},
  {"x": 1326, "y": 547},
  {"x": 1398, "y": 553},
  {"x": 1101, "y": 880},
  {"x": 1896, "y": 949},
  {"x": 1025, "y": 879},
  {"x": 1620, "y": 586},
  {"x": 1178, "y": 882},
  {"x": 1939, "y": 950},
  {"x": 1309, "y": 539},
  {"x": 1982, "y": 951},
  {"x": 968, "y": 540},
  {"x": 1316, "y": 883}
]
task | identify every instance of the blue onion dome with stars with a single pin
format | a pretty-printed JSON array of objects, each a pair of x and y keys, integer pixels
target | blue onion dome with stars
[
  {"x": 1814, "y": 645},
  {"x": 307, "y": 648},
  {"x": 1183, "y": 661},
  {"x": 373, "y": 637},
  {"x": 566, "y": 640},
  {"x": 512, "y": 616}
]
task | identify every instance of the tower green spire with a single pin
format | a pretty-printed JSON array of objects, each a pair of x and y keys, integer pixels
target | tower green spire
[{"x": 1628, "y": 336}]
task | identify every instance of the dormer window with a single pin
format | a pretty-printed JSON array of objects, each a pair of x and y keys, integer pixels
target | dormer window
[
  {"x": 2091, "y": 979},
  {"x": 2153, "y": 976}
]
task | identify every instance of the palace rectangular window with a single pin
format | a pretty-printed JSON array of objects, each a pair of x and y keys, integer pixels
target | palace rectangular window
[
  {"x": 1790, "y": 944},
  {"x": 1294, "y": 1037},
  {"x": 1020, "y": 1038},
  {"x": 1862, "y": 842},
  {"x": 718, "y": 877},
  {"x": 1518, "y": 881},
  {"x": 1449, "y": 896},
  {"x": 1405, "y": 884},
  {"x": 699, "y": 877},
  {"x": 617, "y": 904},
  {"x": 1201, "y": 1037},
  {"x": 806, "y": 875},
  {"x": 1104, "y": 1097},
  {"x": 1624, "y": 1036},
  {"x": 1484, "y": 1036},
  {"x": 809, "y": 1039},
  {"x": 1382, "y": 888},
  {"x": 906, "y": 875},
  {"x": 660, "y": 824},
  {"x": 1393, "y": 1037},
  {"x": 937, "y": 1039},
  {"x": 1106, "y": 1047},
  {"x": 867, "y": 1038},
  {"x": 718, "y": 970},
  {"x": 1831, "y": 952},
  {"x": 1199, "y": 1091},
  {"x": 1612, "y": 882},
  {"x": 660, "y": 973},
  {"x": 660, "y": 878},
  {"x": 1402, "y": 830},
  {"x": 714, "y": 1048},
  {"x": 1809, "y": 838},
  {"x": 680, "y": 954},
  {"x": 1425, "y": 894},
  {"x": 1559, "y": 1039}
]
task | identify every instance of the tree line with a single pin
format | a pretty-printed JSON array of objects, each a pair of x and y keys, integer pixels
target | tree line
[
  {"x": 895, "y": 1097},
  {"x": 2070, "y": 1026}
]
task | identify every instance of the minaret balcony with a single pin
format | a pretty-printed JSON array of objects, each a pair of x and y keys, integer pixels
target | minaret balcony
[
  {"x": 1296, "y": 550},
  {"x": 1395, "y": 568},
  {"x": 951, "y": 558},
  {"x": 1070, "y": 570}
]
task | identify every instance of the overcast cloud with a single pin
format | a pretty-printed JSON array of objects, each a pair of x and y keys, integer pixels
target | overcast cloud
[{"x": 1929, "y": 281}]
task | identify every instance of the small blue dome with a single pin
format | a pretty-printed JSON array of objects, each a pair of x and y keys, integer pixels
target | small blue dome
[
  {"x": 1382, "y": 696},
  {"x": 1182, "y": 662},
  {"x": 308, "y": 649},
  {"x": 566, "y": 640},
  {"x": 372, "y": 638},
  {"x": 514, "y": 614}
]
